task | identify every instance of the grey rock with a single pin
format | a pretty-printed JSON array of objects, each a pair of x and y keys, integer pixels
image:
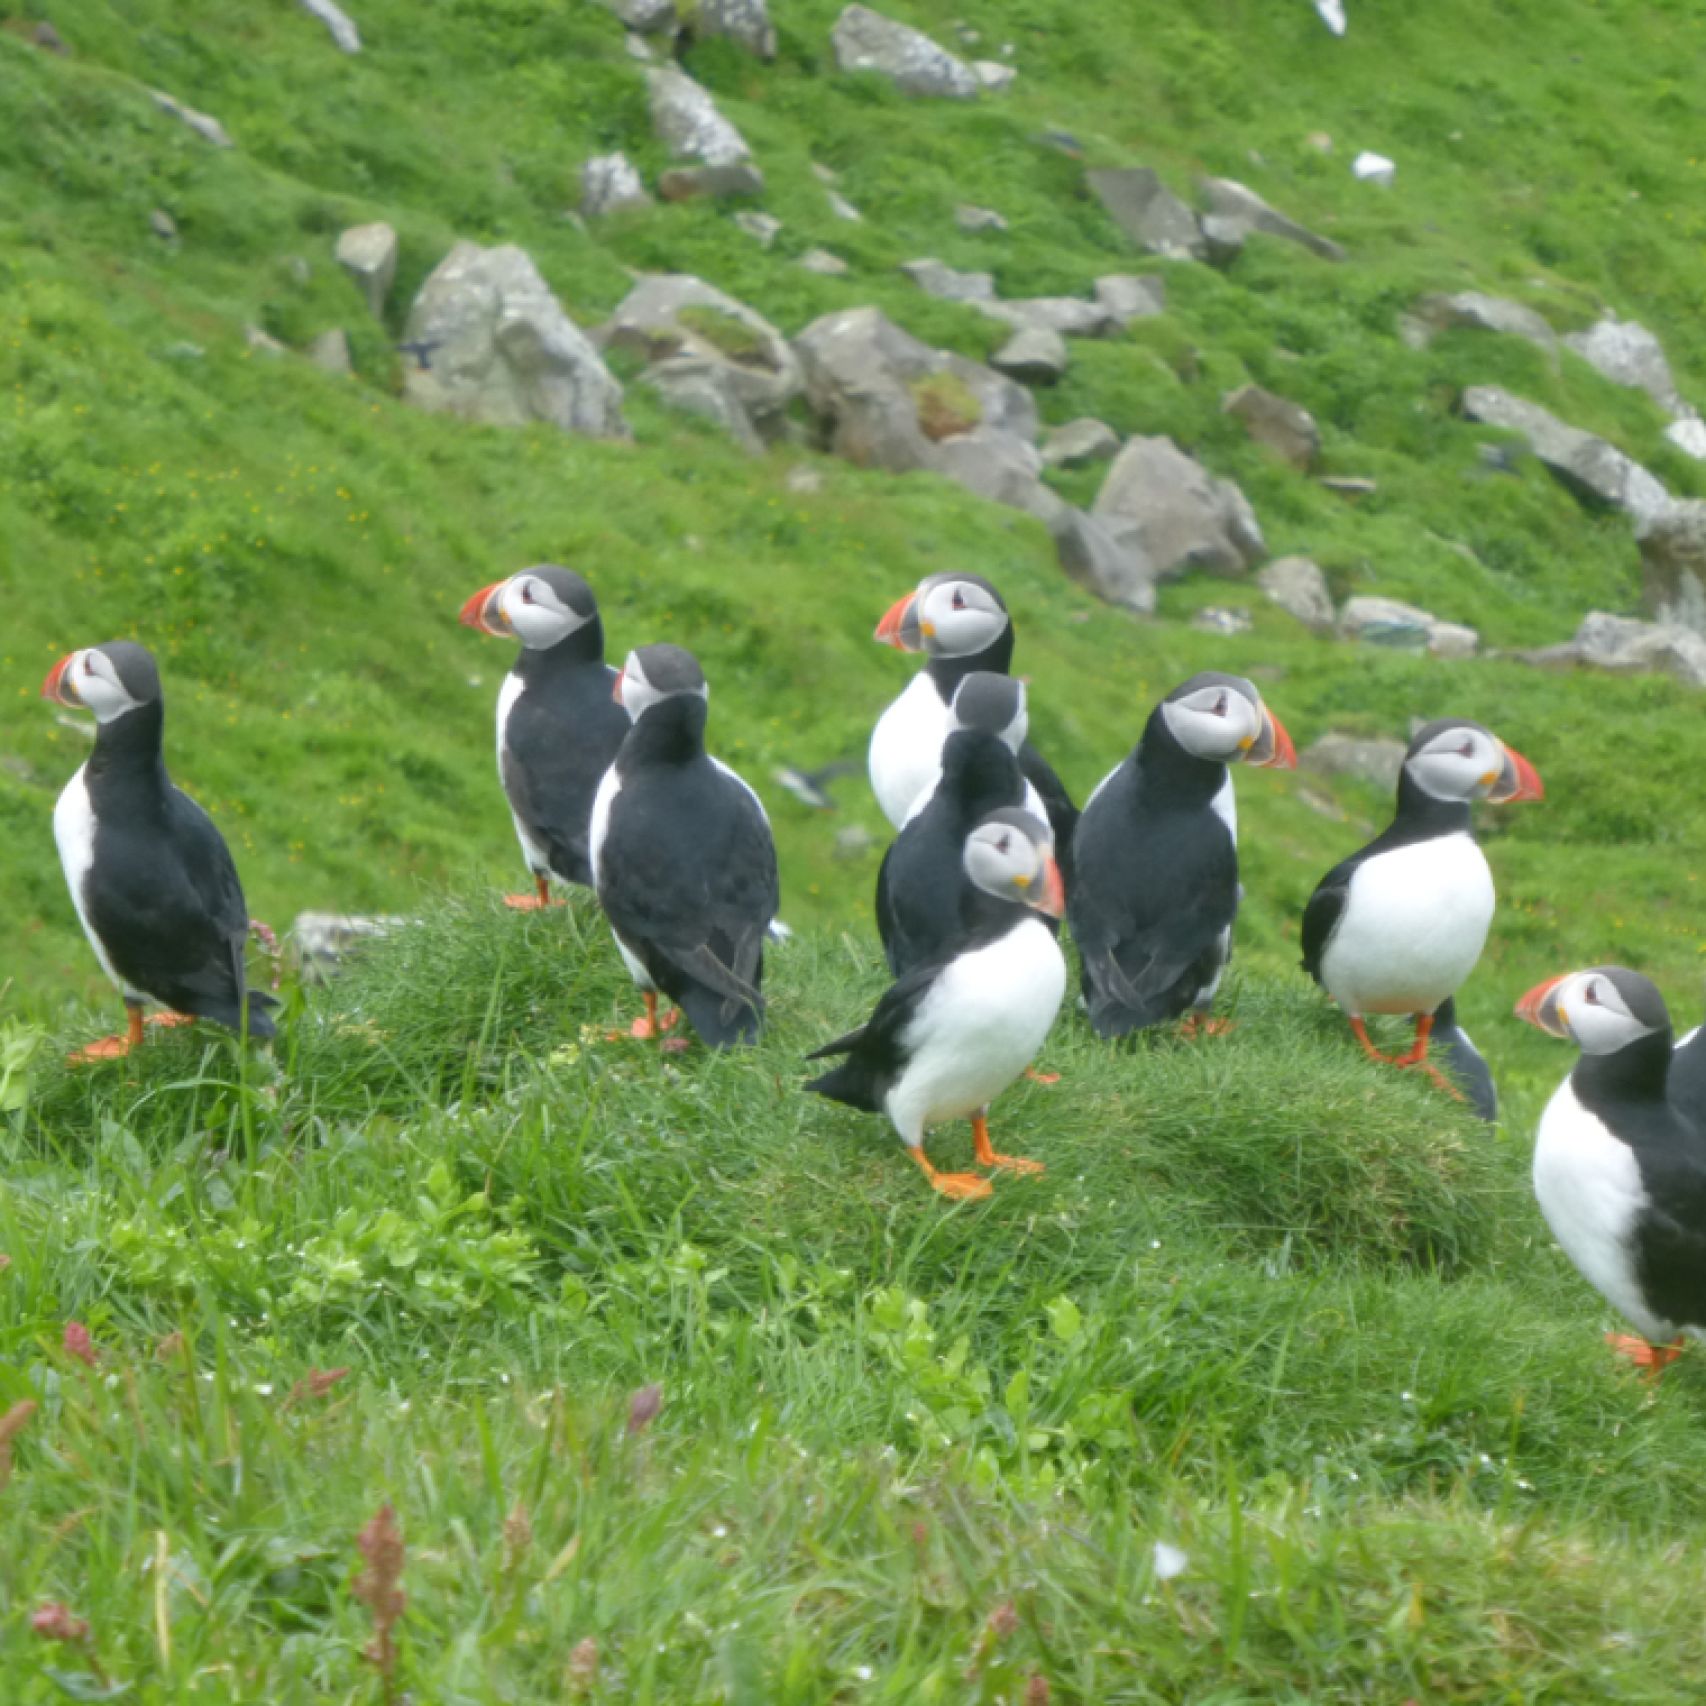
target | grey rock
[
  {"x": 688, "y": 183},
  {"x": 322, "y": 943},
  {"x": 48, "y": 39},
  {"x": 1389, "y": 622},
  {"x": 338, "y": 22},
  {"x": 262, "y": 342},
  {"x": 1588, "y": 465},
  {"x": 745, "y": 22},
  {"x": 854, "y": 841},
  {"x": 1114, "y": 568},
  {"x": 1689, "y": 436},
  {"x": 1034, "y": 355},
  {"x": 1070, "y": 316},
  {"x": 649, "y": 17},
  {"x": 1233, "y": 212},
  {"x": 207, "y": 128},
  {"x": 330, "y": 352},
  {"x": 1278, "y": 424},
  {"x": 763, "y": 227},
  {"x": 636, "y": 47},
  {"x": 501, "y": 349},
  {"x": 999, "y": 466},
  {"x": 1168, "y": 507},
  {"x": 804, "y": 479},
  {"x": 1079, "y": 443},
  {"x": 686, "y": 119},
  {"x": 993, "y": 75},
  {"x": 1350, "y": 485},
  {"x": 936, "y": 279},
  {"x": 1673, "y": 564},
  {"x": 712, "y": 354},
  {"x": 822, "y": 261},
  {"x": 825, "y": 174},
  {"x": 1220, "y": 619},
  {"x": 1628, "y": 354},
  {"x": 1478, "y": 312},
  {"x": 368, "y": 253},
  {"x": 1627, "y": 647},
  {"x": 1374, "y": 761},
  {"x": 864, "y": 40},
  {"x": 975, "y": 219},
  {"x": 163, "y": 225},
  {"x": 1297, "y": 586},
  {"x": 1132, "y": 296},
  {"x": 842, "y": 208},
  {"x": 610, "y": 181},
  {"x": 298, "y": 268},
  {"x": 1148, "y": 212}
]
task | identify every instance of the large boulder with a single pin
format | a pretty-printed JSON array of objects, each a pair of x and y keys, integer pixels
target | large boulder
[
  {"x": 1624, "y": 646},
  {"x": 1111, "y": 565},
  {"x": 936, "y": 278},
  {"x": 1233, "y": 212},
  {"x": 1388, "y": 622},
  {"x": 998, "y": 466},
  {"x": 711, "y": 354},
  {"x": 1132, "y": 296},
  {"x": 1297, "y": 586},
  {"x": 1628, "y": 354},
  {"x": 649, "y": 17},
  {"x": 338, "y": 23},
  {"x": 1155, "y": 219},
  {"x": 1278, "y": 424},
  {"x": 686, "y": 118},
  {"x": 1588, "y": 465},
  {"x": 1034, "y": 355},
  {"x": 609, "y": 182},
  {"x": 1479, "y": 312},
  {"x": 1068, "y": 316},
  {"x": 864, "y": 40},
  {"x": 746, "y": 22},
  {"x": 1673, "y": 564},
  {"x": 1168, "y": 508},
  {"x": 368, "y": 253},
  {"x": 493, "y": 344}
]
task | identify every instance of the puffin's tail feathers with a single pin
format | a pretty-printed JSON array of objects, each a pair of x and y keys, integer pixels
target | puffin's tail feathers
[
  {"x": 719, "y": 1020},
  {"x": 849, "y": 1083}
]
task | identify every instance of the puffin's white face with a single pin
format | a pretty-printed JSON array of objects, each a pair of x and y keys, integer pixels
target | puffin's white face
[
  {"x": 1463, "y": 761},
  {"x": 652, "y": 674},
  {"x": 1221, "y": 718},
  {"x": 957, "y": 618},
  {"x": 995, "y": 703},
  {"x": 535, "y": 614},
  {"x": 1010, "y": 855},
  {"x": 90, "y": 680},
  {"x": 1600, "y": 1011}
]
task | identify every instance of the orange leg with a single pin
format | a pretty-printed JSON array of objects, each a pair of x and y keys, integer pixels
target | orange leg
[
  {"x": 169, "y": 1021},
  {"x": 958, "y": 1187},
  {"x": 1418, "y": 1056},
  {"x": 1360, "y": 1031},
  {"x": 649, "y": 1027},
  {"x": 1041, "y": 1077},
  {"x": 535, "y": 902},
  {"x": 112, "y": 1048},
  {"x": 987, "y": 1157},
  {"x": 1197, "y": 1025},
  {"x": 1651, "y": 1359}
]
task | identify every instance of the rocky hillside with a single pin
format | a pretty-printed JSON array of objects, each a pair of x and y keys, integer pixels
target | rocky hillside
[{"x": 1367, "y": 364}]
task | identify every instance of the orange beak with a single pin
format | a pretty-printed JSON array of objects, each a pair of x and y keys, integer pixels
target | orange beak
[
  {"x": 56, "y": 687},
  {"x": 1539, "y": 1007},
  {"x": 1053, "y": 900},
  {"x": 474, "y": 611},
  {"x": 1519, "y": 780},
  {"x": 891, "y": 631},
  {"x": 1273, "y": 751}
]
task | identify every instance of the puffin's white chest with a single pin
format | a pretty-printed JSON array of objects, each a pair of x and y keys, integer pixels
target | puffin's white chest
[
  {"x": 979, "y": 1028},
  {"x": 1589, "y": 1189},
  {"x": 74, "y": 832},
  {"x": 906, "y": 747},
  {"x": 507, "y": 696},
  {"x": 1414, "y": 924}
]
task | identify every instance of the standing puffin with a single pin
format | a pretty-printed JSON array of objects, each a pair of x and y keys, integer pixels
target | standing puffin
[
  {"x": 951, "y": 1034},
  {"x": 1155, "y": 859},
  {"x": 1397, "y": 927},
  {"x": 558, "y": 725},
  {"x": 152, "y": 879},
  {"x": 925, "y": 900},
  {"x": 1619, "y": 1167},
  {"x": 682, "y": 857},
  {"x": 961, "y": 624}
]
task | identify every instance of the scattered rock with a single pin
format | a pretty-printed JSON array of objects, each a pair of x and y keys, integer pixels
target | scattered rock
[
  {"x": 825, "y": 174},
  {"x": 1221, "y": 619},
  {"x": 1069, "y": 316},
  {"x": 688, "y": 183},
  {"x": 745, "y": 22},
  {"x": 764, "y": 227},
  {"x": 1320, "y": 141},
  {"x": 1482, "y": 313},
  {"x": 636, "y": 47},
  {"x": 1332, "y": 14},
  {"x": 842, "y": 208},
  {"x": 686, "y": 118},
  {"x": 610, "y": 181},
  {"x": 936, "y": 279},
  {"x": 1588, "y": 465},
  {"x": 298, "y": 268},
  {"x": 1374, "y": 168},
  {"x": 1689, "y": 436},
  {"x": 999, "y": 466},
  {"x": 262, "y": 342},
  {"x": 163, "y": 225},
  {"x": 1114, "y": 568},
  {"x": 368, "y": 253},
  {"x": 854, "y": 841},
  {"x": 1148, "y": 212},
  {"x": 712, "y": 355},
  {"x": 822, "y": 261},
  {"x": 1298, "y": 587},
  {"x": 1350, "y": 485},
  {"x": 864, "y": 40},
  {"x": 649, "y": 17},
  {"x": 993, "y": 75},
  {"x": 1623, "y": 646},
  {"x": 804, "y": 479},
  {"x": 495, "y": 345},
  {"x": 1387, "y": 622},
  {"x": 1628, "y": 354},
  {"x": 1673, "y": 562},
  {"x": 48, "y": 39},
  {"x": 207, "y": 128},
  {"x": 1167, "y": 507},
  {"x": 323, "y": 942},
  {"x": 1079, "y": 443},
  {"x": 1132, "y": 296},
  {"x": 1280, "y": 425},
  {"x": 338, "y": 22},
  {"x": 975, "y": 219},
  {"x": 1374, "y": 761},
  {"x": 1235, "y": 212},
  {"x": 330, "y": 352},
  {"x": 1035, "y": 355}
]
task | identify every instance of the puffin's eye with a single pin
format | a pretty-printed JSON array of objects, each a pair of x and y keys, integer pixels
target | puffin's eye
[
  {"x": 527, "y": 592},
  {"x": 1591, "y": 995},
  {"x": 1003, "y": 845},
  {"x": 1467, "y": 750},
  {"x": 1220, "y": 706}
]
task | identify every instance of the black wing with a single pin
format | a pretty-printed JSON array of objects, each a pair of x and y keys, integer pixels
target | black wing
[
  {"x": 1326, "y": 907},
  {"x": 1686, "y": 1085},
  {"x": 1062, "y": 813},
  {"x": 875, "y": 1053}
]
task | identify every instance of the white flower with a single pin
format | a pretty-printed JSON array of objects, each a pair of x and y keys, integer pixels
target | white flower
[{"x": 1169, "y": 1561}]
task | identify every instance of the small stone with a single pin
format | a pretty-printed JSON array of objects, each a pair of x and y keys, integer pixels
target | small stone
[
  {"x": 822, "y": 261},
  {"x": 864, "y": 40},
  {"x": 842, "y": 208},
  {"x": 854, "y": 841},
  {"x": 338, "y": 23},
  {"x": 330, "y": 352},
  {"x": 207, "y": 128},
  {"x": 993, "y": 75},
  {"x": 1377, "y": 761},
  {"x": 936, "y": 279},
  {"x": 262, "y": 343},
  {"x": 1219, "y": 619},
  {"x": 609, "y": 182},
  {"x": 47, "y": 38},
  {"x": 1350, "y": 485},
  {"x": 1473, "y": 309},
  {"x": 1297, "y": 586},
  {"x": 1034, "y": 356},
  {"x": 1080, "y": 442},
  {"x": 1070, "y": 316},
  {"x": 163, "y": 225},
  {"x": 1280, "y": 425},
  {"x": 825, "y": 174},
  {"x": 686, "y": 118},
  {"x": 1689, "y": 436},
  {"x": 687, "y": 183},
  {"x": 1148, "y": 212},
  {"x": 975, "y": 219},
  {"x": 1624, "y": 646},
  {"x": 1320, "y": 141},
  {"x": 1234, "y": 212},
  {"x": 368, "y": 253},
  {"x": 637, "y": 48},
  {"x": 804, "y": 479},
  {"x": 1132, "y": 296},
  {"x": 761, "y": 226},
  {"x": 1628, "y": 354},
  {"x": 1373, "y": 168},
  {"x": 744, "y": 22},
  {"x": 1389, "y": 622}
]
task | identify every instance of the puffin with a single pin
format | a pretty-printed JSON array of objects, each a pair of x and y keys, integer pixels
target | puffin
[
  {"x": 924, "y": 898},
  {"x": 1464, "y": 1064},
  {"x": 1619, "y": 1165},
  {"x": 1155, "y": 858},
  {"x": 961, "y": 624},
  {"x": 951, "y": 1034},
  {"x": 558, "y": 724},
  {"x": 1398, "y": 926},
  {"x": 154, "y": 884},
  {"x": 682, "y": 857}
]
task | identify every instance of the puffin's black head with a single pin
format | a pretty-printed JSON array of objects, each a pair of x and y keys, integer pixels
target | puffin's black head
[
  {"x": 1011, "y": 856},
  {"x": 109, "y": 680},
  {"x": 1601, "y": 1010},
  {"x": 540, "y": 606},
  {"x": 1221, "y": 718},
  {"x": 948, "y": 616},
  {"x": 655, "y": 673},
  {"x": 1455, "y": 759},
  {"x": 992, "y": 703}
]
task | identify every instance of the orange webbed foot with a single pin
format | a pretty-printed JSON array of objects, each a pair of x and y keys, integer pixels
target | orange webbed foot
[
  {"x": 1651, "y": 1359},
  {"x": 988, "y": 1156},
  {"x": 531, "y": 902},
  {"x": 169, "y": 1021},
  {"x": 1194, "y": 1026},
  {"x": 1041, "y": 1077},
  {"x": 957, "y": 1187},
  {"x": 102, "y": 1048}
]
